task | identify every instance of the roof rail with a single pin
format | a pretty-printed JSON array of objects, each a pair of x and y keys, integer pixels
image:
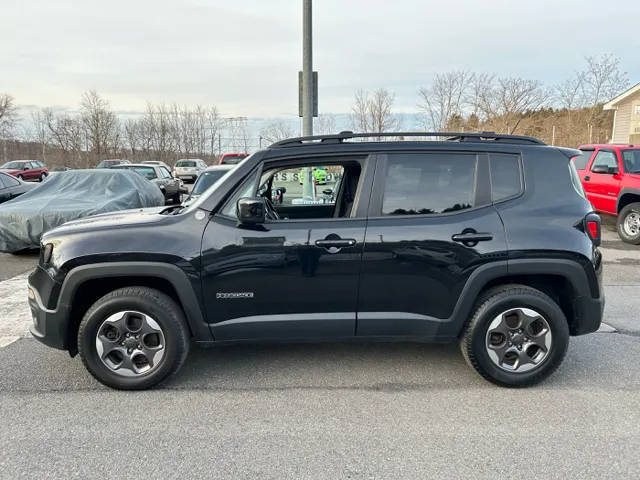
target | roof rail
[{"x": 448, "y": 136}]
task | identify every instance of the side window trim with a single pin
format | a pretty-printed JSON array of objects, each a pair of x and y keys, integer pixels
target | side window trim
[
  {"x": 482, "y": 185},
  {"x": 361, "y": 202},
  {"x": 522, "y": 179}
]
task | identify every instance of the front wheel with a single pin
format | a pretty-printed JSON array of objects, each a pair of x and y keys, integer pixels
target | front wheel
[
  {"x": 133, "y": 338},
  {"x": 517, "y": 337},
  {"x": 628, "y": 224}
]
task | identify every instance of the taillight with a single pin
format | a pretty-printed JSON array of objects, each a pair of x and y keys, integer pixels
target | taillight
[{"x": 593, "y": 228}]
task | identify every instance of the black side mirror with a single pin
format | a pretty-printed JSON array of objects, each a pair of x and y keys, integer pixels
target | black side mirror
[
  {"x": 605, "y": 169},
  {"x": 282, "y": 189},
  {"x": 26, "y": 167},
  {"x": 327, "y": 191},
  {"x": 251, "y": 211}
]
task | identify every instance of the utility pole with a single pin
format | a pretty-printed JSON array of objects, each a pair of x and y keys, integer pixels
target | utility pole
[{"x": 307, "y": 89}]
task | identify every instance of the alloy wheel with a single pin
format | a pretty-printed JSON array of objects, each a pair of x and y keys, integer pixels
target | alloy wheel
[
  {"x": 518, "y": 340},
  {"x": 631, "y": 224},
  {"x": 130, "y": 343}
]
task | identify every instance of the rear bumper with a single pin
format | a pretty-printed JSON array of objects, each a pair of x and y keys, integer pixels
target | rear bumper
[{"x": 588, "y": 314}]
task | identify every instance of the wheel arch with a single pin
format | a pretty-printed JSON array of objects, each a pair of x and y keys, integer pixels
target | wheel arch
[
  {"x": 564, "y": 280},
  {"x": 86, "y": 284},
  {"x": 627, "y": 196}
]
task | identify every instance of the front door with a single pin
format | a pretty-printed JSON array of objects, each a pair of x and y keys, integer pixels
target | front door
[
  {"x": 431, "y": 224},
  {"x": 295, "y": 277},
  {"x": 602, "y": 189}
]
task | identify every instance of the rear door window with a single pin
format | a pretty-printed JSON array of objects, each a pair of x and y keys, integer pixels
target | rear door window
[{"x": 429, "y": 184}]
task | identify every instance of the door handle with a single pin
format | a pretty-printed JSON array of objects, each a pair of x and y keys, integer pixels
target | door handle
[
  {"x": 333, "y": 243},
  {"x": 587, "y": 178},
  {"x": 471, "y": 238},
  {"x": 338, "y": 243}
]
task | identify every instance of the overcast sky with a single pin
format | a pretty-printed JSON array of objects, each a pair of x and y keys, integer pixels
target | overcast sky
[{"x": 243, "y": 55}]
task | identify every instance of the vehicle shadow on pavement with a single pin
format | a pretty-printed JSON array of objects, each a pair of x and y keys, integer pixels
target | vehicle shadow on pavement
[{"x": 593, "y": 361}]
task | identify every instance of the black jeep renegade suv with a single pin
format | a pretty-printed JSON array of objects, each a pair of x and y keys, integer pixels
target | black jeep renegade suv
[{"x": 482, "y": 239}]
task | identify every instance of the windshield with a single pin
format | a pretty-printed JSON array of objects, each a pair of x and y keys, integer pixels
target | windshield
[
  {"x": 147, "y": 172},
  {"x": 13, "y": 165},
  {"x": 631, "y": 160},
  {"x": 185, "y": 163},
  {"x": 206, "y": 179}
]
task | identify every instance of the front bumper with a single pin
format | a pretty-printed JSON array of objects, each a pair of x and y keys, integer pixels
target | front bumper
[{"x": 48, "y": 326}]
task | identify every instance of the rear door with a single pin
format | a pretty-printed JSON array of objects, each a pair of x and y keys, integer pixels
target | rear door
[
  {"x": 431, "y": 225},
  {"x": 602, "y": 189}
]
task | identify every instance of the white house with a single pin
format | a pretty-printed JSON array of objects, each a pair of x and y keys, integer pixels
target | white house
[{"x": 626, "y": 120}]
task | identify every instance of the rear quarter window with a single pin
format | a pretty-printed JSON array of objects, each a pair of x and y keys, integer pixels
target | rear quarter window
[{"x": 506, "y": 176}]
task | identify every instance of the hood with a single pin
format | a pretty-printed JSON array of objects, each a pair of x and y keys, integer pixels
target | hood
[{"x": 123, "y": 218}]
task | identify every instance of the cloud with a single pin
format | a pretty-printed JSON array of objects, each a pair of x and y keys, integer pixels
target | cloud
[{"x": 244, "y": 56}]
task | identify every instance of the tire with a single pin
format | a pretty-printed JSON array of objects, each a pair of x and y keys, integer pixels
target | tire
[
  {"x": 172, "y": 337},
  {"x": 628, "y": 224},
  {"x": 21, "y": 178},
  {"x": 43, "y": 176},
  {"x": 515, "y": 303}
]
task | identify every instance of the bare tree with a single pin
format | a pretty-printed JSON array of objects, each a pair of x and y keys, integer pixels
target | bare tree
[
  {"x": 325, "y": 124},
  {"x": 40, "y": 132},
  {"x": 373, "y": 112},
  {"x": 8, "y": 119},
  {"x": 444, "y": 98},
  {"x": 569, "y": 93},
  {"x": 101, "y": 124},
  {"x": 503, "y": 102},
  {"x": 603, "y": 79},
  {"x": 277, "y": 130}
]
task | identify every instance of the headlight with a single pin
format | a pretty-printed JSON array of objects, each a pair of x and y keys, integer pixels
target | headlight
[{"x": 46, "y": 253}]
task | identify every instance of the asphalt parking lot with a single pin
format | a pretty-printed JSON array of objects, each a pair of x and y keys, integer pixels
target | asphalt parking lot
[{"x": 327, "y": 411}]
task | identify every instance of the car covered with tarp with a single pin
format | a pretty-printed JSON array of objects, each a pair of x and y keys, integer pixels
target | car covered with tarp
[{"x": 69, "y": 196}]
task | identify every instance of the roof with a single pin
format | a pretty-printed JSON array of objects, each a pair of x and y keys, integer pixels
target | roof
[
  {"x": 611, "y": 104},
  {"x": 224, "y": 166},
  {"x": 620, "y": 146},
  {"x": 399, "y": 137}
]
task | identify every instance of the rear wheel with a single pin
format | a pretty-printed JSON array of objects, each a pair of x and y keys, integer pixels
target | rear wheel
[
  {"x": 628, "y": 224},
  {"x": 21, "y": 178},
  {"x": 133, "y": 338},
  {"x": 42, "y": 177},
  {"x": 517, "y": 336}
]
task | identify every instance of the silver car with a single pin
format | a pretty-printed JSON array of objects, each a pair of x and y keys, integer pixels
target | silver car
[{"x": 188, "y": 169}]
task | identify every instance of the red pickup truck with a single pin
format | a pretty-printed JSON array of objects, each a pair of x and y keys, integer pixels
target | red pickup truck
[{"x": 610, "y": 174}]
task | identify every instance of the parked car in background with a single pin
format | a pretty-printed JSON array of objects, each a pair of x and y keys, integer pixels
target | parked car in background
[
  {"x": 161, "y": 176},
  {"x": 610, "y": 176},
  {"x": 188, "y": 169},
  {"x": 207, "y": 178},
  {"x": 112, "y": 163},
  {"x": 69, "y": 196},
  {"x": 157, "y": 162},
  {"x": 12, "y": 187},
  {"x": 232, "y": 158},
  {"x": 479, "y": 239},
  {"x": 26, "y": 169}
]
